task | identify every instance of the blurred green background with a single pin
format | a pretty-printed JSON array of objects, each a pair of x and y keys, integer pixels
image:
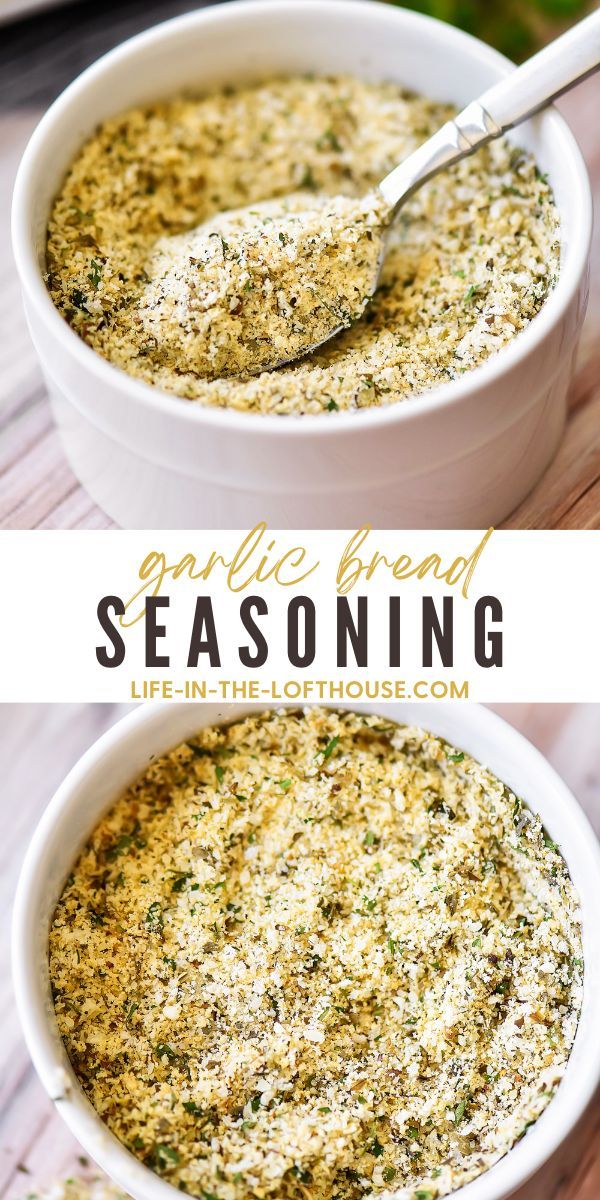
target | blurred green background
[
  {"x": 516, "y": 27},
  {"x": 41, "y": 53}
]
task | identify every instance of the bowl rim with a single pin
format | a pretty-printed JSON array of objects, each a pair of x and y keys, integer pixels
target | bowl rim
[
  {"x": 44, "y": 1044},
  {"x": 142, "y": 395}
]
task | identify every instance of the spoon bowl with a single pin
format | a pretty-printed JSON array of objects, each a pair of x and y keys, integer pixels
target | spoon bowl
[{"x": 256, "y": 287}]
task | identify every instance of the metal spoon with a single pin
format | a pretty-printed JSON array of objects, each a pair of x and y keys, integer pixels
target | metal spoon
[{"x": 555, "y": 69}]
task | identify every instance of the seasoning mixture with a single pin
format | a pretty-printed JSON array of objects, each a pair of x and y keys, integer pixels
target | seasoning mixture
[
  {"x": 260, "y": 285},
  {"x": 470, "y": 260},
  {"x": 318, "y": 955}
]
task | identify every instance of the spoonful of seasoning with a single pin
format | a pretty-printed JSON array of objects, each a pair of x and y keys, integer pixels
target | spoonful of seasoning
[{"x": 257, "y": 287}]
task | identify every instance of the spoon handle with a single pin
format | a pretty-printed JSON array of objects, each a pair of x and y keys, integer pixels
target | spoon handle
[{"x": 558, "y": 67}]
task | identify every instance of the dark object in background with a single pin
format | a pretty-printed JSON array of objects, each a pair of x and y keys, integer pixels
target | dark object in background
[
  {"x": 43, "y": 52},
  {"x": 516, "y": 27}
]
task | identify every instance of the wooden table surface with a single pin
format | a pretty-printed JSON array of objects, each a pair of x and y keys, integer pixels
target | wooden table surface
[
  {"x": 37, "y": 488},
  {"x": 35, "y": 1147}
]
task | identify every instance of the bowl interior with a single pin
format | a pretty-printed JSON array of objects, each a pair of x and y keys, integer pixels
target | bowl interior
[
  {"x": 254, "y": 39},
  {"x": 114, "y": 761}
]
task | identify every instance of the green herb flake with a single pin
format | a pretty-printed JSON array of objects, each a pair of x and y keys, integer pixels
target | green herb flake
[
  {"x": 79, "y": 300},
  {"x": 95, "y": 274},
  {"x": 198, "y": 751},
  {"x": 121, "y": 846},
  {"x": 375, "y": 1148},
  {"x": 154, "y": 917},
  {"x": 130, "y": 1011},
  {"x": 165, "y": 1156},
  {"x": 85, "y": 218},
  {"x": 308, "y": 180},
  {"x": 329, "y": 141},
  {"x": 179, "y": 880},
  {"x": 502, "y": 987},
  {"x": 192, "y": 1108},
  {"x": 163, "y": 1050},
  {"x": 330, "y": 747}
]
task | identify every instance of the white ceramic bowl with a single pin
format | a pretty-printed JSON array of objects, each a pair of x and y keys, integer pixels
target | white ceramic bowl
[
  {"x": 462, "y": 456},
  {"x": 122, "y": 753}
]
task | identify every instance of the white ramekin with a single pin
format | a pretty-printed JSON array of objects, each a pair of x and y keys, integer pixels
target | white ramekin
[
  {"x": 122, "y": 753},
  {"x": 461, "y": 457}
]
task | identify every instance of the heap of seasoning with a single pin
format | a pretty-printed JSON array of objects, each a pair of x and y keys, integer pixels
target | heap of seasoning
[
  {"x": 318, "y": 954},
  {"x": 469, "y": 263}
]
